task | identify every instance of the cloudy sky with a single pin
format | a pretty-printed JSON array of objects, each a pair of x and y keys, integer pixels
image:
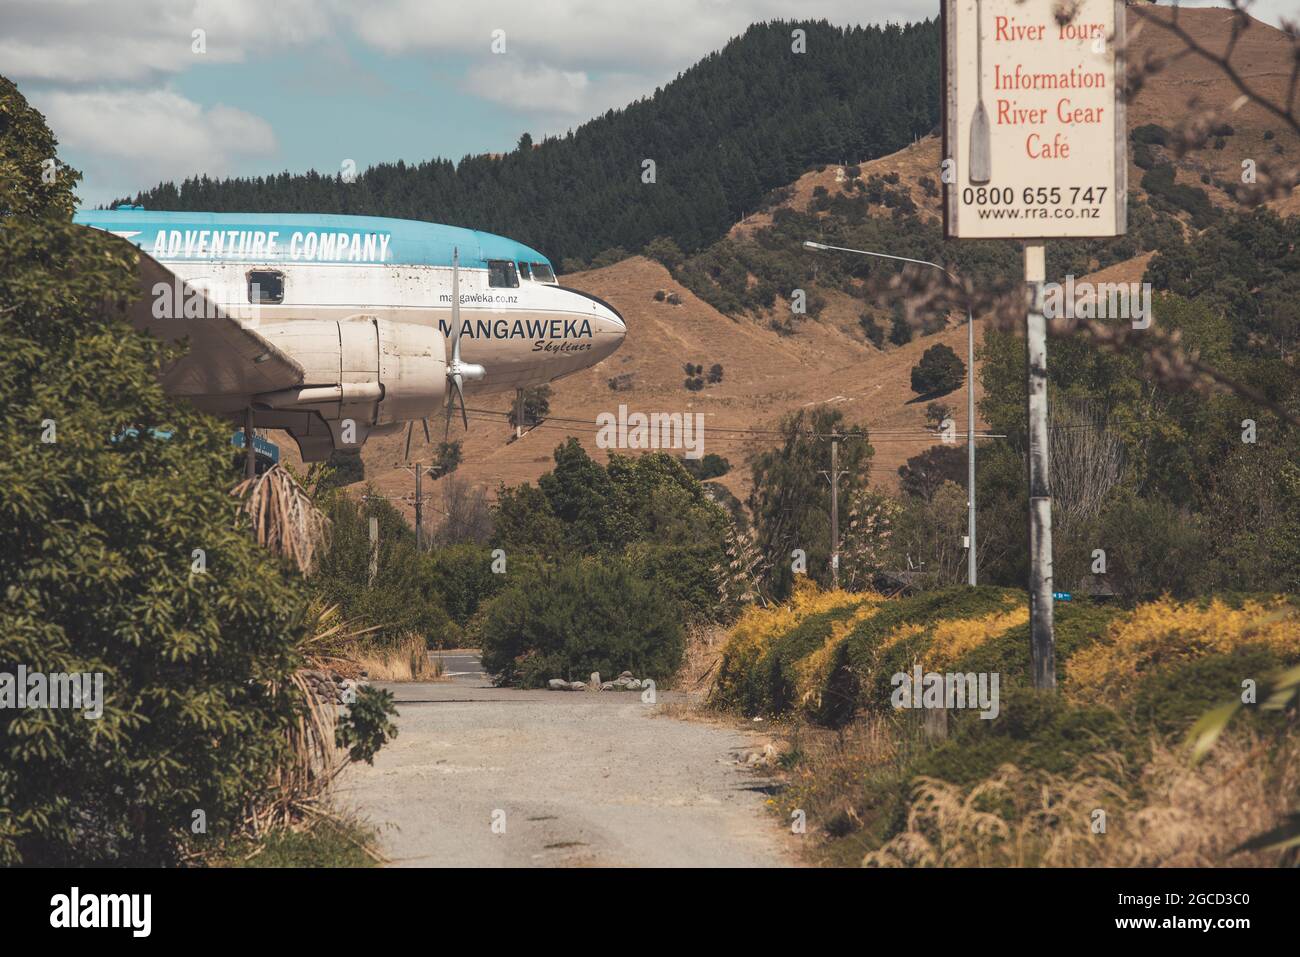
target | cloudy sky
[{"x": 298, "y": 84}]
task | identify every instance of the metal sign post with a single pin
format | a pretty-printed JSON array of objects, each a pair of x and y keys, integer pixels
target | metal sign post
[{"x": 1042, "y": 646}]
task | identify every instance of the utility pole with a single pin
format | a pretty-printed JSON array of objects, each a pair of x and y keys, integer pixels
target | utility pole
[
  {"x": 519, "y": 413},
  {"x": 834, "y": 477},
  {"x": 970, "y": 448},
  {"x": 1041, "y": 640},
  {"x": 418, "y": 500},
  {"x": 419, "y": 513}
]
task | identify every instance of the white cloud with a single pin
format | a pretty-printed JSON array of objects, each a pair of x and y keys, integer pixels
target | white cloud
[
  {"x": 141, "y": 138},
  {"x": 559, "y": 96},
  {"x": 569, "y": 34},
  {"x": 133, "y": 41}
]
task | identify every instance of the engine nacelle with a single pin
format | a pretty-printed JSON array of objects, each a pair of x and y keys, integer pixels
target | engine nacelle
[{"x": 371, "y": 373}]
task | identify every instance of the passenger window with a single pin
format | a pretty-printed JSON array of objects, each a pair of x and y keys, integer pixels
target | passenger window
[
  {"x": 523, "y": 271},
  {"x": 265, "y": 286},
  {"x": 543, "y": 273},
  {"x": 501, "y": 273}
]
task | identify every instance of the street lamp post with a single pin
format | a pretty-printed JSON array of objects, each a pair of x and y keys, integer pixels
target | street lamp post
[{"x": 970, "y": 393}]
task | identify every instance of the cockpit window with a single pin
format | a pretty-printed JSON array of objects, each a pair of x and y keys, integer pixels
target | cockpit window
[
  {"x": 501, "y": 273},
  {"x": 543, "y": 273},
  {"x": 523, "y": 271}
]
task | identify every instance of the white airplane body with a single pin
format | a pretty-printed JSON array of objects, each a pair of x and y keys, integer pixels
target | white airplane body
[{"x": 336, "y": 327}]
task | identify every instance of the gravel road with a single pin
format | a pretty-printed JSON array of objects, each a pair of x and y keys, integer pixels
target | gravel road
[{"x": 570, "y": 779}]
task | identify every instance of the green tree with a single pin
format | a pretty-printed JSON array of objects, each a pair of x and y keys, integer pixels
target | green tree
[
  {"x": 790, "y": 501},
  {"x": 594, "y": 614},
  {"x": 523, "y": 521},
  {"x": 537, "y": 406},
  {"x": 121, "y": 558},
  {"x": 923, "y": 473},
  {"x": 938, "y": 372},
  {"x": 401, "y": 599}
]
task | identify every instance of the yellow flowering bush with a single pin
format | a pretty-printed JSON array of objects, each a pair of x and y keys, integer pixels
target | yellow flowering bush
[
  {"x": 815, "y": 669},
  {"x": 758, "y": 629},
  {"x": 953, "y": 637},
  {"x": 1166, "y": 633}
]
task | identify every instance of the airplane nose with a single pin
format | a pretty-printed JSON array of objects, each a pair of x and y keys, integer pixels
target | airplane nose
[
  {"x": 610, "y": 329},
  {"x": 607, "y": 325},
  {"x": 610, "y": 321}
]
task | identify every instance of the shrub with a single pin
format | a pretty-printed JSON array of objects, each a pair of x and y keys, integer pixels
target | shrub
[
  {"x": 664, "y": 250},
  {"x": 900, "y": 331},
  {"x": 1159, "y": 181},
  {"x": 710, "y": 466},
  {"x": 462, "y": 577},
  {"x": 1151, "y": 133},
  {"x": 346, "y": 468},
  {"x": 938, "y": 372},
  {"x": 758, "y": 630},
  {"x": 587, "y": 615},
  {"x": 607, "y": 257},
  {"x": 688, "y": 574},
  {"x": 844, "y": 659},
  {"x": 1130, "y": 681},
  {"x": 1162, "y": 633},
  {"x": 872, "y": 330}
]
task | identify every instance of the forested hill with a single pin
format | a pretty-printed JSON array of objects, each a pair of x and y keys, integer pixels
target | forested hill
[{"x": 742, "y": 121}]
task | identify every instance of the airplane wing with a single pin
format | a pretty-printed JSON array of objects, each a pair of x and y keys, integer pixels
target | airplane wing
[{"x": 226, "y": 363}]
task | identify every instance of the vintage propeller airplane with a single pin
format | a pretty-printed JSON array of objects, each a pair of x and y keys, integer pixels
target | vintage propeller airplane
[{"x": 335, "y": 328}]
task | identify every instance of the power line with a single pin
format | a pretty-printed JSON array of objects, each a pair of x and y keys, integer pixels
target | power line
[{"x": 871, "y": 435}]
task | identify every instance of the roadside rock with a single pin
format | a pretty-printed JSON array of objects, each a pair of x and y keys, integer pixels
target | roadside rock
[
  {"x": 624, "y": 682},
  {"x": 329, "y": 686}
]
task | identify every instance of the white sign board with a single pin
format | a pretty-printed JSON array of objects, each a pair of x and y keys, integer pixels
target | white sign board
[{"x": 1035, "y": 142}]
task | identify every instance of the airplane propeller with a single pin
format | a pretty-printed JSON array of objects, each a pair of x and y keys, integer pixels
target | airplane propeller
[
  {"x": 410, "y": 426},
  {"x": 457, "y": 371}
]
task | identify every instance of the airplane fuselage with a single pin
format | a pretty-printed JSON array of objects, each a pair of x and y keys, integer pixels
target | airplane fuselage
[
  {"x": 357, "y": 312},
  {"x": 525, "y": 331}
]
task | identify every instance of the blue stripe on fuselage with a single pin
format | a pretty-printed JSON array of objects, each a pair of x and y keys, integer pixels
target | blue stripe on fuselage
[{"x": 304, "y": 238}]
